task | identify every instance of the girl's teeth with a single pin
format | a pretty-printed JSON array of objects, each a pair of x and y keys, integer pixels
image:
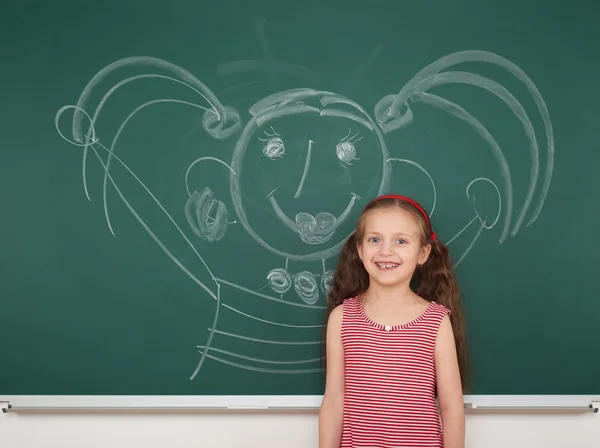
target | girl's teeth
[{"x": 386, "y": 265}]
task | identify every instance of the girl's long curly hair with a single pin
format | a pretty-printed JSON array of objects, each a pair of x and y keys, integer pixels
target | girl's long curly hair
[{"x": 433, "y": 281}]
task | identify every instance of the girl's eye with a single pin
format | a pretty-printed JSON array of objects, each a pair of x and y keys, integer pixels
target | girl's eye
[
  {"x": 373, "y": 240},
  {"x": 401, "y": 241}
]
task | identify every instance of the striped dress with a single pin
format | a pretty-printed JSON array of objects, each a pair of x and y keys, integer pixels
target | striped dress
[{"x": 390, "y": 380}]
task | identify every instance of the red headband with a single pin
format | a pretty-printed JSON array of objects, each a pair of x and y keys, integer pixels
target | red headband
[{"x": 410, "y": 201}]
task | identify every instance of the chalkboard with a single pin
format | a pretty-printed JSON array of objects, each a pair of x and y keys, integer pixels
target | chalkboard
[{"x": 178, "y": 177}]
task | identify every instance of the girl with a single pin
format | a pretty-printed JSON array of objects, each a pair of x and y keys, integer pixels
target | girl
[{"x": 394, "y": 336}]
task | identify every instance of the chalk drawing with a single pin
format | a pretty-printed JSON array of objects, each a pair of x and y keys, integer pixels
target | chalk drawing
[{"x": 208, "y": 218}]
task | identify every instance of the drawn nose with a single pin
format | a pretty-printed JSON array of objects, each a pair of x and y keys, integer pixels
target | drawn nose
[{"x": 306, "y": 167}]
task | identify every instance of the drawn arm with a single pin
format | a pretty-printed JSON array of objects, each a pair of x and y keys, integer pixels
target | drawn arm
[{"x": 95, "y": 145}]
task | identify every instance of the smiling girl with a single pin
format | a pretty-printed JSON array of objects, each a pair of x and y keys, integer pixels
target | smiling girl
[{"x": 395, "y": 336}]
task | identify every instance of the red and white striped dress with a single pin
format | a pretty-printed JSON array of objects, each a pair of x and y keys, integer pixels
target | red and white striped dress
[{"x": 390, "y": 380}]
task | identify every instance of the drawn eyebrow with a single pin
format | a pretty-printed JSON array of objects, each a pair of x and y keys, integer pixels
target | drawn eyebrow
[
  {"x": 349, "y": 132},
  {"x": 273, "y": 134},
  {"x": 349, "y": 139},
  {"x": 270, "y": 135}
]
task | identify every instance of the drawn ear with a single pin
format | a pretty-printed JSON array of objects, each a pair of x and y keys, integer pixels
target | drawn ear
[
  {"x": 389, "y": 116},
  {"x": 207, "y": 216}
]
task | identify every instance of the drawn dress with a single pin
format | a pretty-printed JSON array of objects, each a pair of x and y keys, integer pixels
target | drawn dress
[{"x": 390, "y": 380}]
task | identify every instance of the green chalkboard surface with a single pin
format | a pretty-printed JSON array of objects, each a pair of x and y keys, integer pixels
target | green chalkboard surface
[{"x": 178, "y": 177}]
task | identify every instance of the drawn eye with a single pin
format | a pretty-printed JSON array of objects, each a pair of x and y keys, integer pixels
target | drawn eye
[
  {"x": 346, "y": 152},
  {"x": 345, "y": 149},
  {"x": 274, "y": 149}
]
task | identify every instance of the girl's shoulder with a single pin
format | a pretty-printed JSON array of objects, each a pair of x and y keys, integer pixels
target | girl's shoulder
[
  {"x": 438, "y": 313},
  {"x": 352, "y": 305},
  {"x": 349, "y": 309},
  {"x": 348, "y": 305},
  {"x": 439, "y": 308},
  {"x": 433, "y": 309},
  {"x": 352, "y": 301}
]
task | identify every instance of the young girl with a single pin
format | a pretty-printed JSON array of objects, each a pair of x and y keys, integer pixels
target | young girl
[{"x": 394, "y": 336}]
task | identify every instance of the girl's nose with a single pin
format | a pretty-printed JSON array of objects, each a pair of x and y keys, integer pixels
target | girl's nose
[{"x": 386, "y": 248}]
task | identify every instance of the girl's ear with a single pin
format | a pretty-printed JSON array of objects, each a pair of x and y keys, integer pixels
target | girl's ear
[
  {"x": 425, "y": 252},
  {"x": 359, "y": 250}
]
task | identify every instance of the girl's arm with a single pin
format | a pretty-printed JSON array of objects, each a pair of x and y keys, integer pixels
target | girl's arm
[
  {"x": 449, "y": 389},
  {"x": 332, "y": 407}
]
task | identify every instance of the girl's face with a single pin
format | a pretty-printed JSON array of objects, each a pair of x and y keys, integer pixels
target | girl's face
[{"x": 391, "y": 247}]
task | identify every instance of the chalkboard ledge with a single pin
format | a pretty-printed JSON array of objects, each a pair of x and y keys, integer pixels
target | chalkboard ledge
[{"x": 278, "y": 403}]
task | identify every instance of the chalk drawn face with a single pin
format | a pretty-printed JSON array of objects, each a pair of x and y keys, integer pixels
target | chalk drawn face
[{"x": 300, "y": 167}]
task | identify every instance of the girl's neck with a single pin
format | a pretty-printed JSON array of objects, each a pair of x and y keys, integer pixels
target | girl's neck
[{"x": 386, "y": 294}]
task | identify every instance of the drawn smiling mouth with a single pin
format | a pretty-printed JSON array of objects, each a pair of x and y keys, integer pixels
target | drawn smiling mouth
[{"x": 313, "y": 229}]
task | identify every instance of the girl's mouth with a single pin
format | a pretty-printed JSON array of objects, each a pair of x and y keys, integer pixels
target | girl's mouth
[{"x": 387, "y": 266}]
